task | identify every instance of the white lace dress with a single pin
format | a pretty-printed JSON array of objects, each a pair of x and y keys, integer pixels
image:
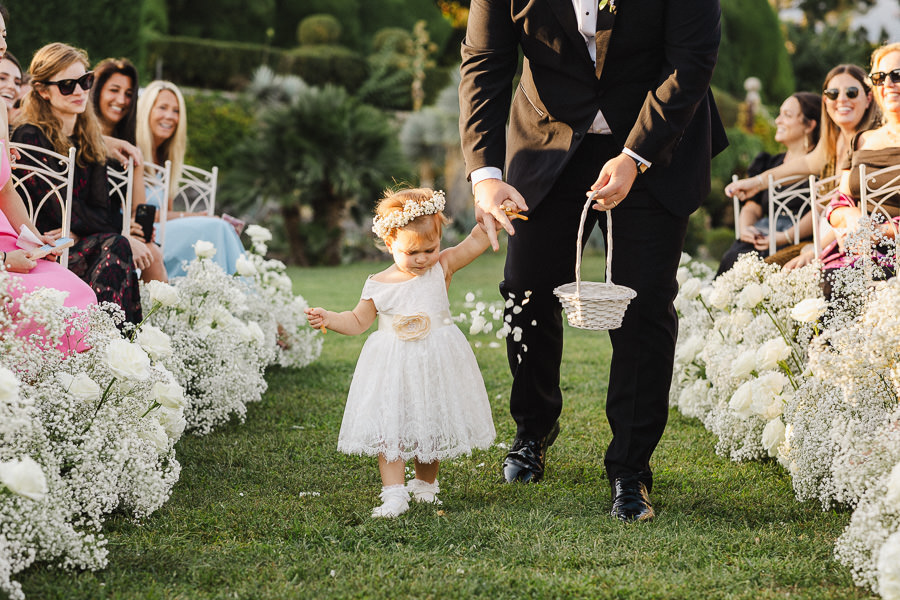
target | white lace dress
[{"x": 417, "y": 391}]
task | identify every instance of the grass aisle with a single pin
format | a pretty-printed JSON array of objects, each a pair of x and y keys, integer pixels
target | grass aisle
[{"x": 269, "y": 509}]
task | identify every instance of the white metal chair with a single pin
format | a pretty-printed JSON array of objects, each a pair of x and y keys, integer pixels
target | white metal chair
[
  {"x": 822, "y": 191},
  {"x": 121, "y": 186},
  {"x": 156, "y": 187},
  {"x": 197, "y": 189},
  {"x": 782, "y": 193},
  {"x": 51, "y": 173},
  {"x": 880, "y": 197}
]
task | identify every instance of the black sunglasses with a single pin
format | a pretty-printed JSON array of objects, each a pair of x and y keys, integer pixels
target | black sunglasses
[
  {"x": 879, "y": 77},
  {"x": 833, "y": 93},
  {"x": 67, "y": 86}
]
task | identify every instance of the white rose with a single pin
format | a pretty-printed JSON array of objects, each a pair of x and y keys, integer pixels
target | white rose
[
  {"x": 9, "y": 386},
  {"x": 682, "y": 275},
  {"x": 752, "y": 295},
  {"x": 156, "y": 434},
  {"x": 888, "y": 566},
  {"x": 157, "y": 344},
  {"x": 163, "y": 293},
  {"x": 204, "y": 249},
  {"x": 691, "y": 288},
  {"x": 470, "y": 297},
  {"x": 772, "y": 436},
  {"x": 766, "y": 405},
  {"x": 771, "y": 353},
  {"x": 893, "y": 487},
  {"x": 53, "y": 297},
  {"x": 257, "y": 233},
  {"x": 809, "y": 310},
  {"x": 744, "y": 365},
  {"x": 245, "y": 267},
  {"x": 773, "y": 382},
  {"x": 719, "y": 298},
  {"x": 170, "y": 394},
  {"x": 24, "y": 477},
  {"x": 685, "y": 259},
  {"x": 172, "y": 420},
  {"x": 256, "y": 332},
  {"x": 689, "y": 349},
  {"x": 741, "y": 400},
  {"x": 81, "y": 386},
  {"x": 127, "y": 360}
]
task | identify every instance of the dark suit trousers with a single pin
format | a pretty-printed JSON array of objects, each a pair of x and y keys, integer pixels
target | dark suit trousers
[{"x": 647, "y": 245}]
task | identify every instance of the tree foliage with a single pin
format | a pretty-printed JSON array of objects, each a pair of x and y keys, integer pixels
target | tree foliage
[
  {"x": 816, "y": 51},
  {"x": 753, "y": 46},
  {"x": 323, "y": 154},
  {"x": 104, "y": 28}
]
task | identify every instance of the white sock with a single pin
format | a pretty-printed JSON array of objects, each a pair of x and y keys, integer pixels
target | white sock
[
  {"x": 395, "y": 500},
  {"x": 422, "y": 491}
]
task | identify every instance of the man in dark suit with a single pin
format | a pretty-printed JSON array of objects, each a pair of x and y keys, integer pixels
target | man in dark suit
[{"x": 612, "y": 99}]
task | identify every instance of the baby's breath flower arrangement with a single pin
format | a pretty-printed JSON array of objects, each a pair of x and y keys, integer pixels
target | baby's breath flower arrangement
[{"x": 775, "y": 370}]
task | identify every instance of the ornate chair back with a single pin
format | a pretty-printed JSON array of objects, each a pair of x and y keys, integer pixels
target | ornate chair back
[
  {"x": 880, "y": 197},
  {"x": 788, "y": 197},
  {"x": 121, "y": 187},
  {"x": 196, "y": 189},
  {"x": 54, "y": 175},
  {"x": 822, "y": 191},
  {"x": 156, "y": 187}
]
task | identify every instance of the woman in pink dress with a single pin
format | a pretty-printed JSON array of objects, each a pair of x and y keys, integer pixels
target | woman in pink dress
[{"x": 27, "y": 273}]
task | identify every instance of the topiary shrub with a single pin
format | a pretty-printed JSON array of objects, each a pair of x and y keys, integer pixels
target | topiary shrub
[
  {"x": 318, "y": 65},
  {"x": 318, "y": 29}
]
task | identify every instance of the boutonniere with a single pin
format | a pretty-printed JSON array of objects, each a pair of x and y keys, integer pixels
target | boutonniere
[{"x": 611, "y": 3}]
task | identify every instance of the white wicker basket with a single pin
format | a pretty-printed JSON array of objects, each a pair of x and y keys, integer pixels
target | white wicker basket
[{"x": 592, "y": 305}]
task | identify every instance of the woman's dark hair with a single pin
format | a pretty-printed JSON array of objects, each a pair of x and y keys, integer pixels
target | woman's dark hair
[
  {"x": 125, "y": 128},
  {"x": 811, "y": 107},
  {"x": 4, "y": 12}
]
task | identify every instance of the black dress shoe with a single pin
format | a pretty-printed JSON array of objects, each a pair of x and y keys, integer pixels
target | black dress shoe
[
  {"x": 525, "y": 460},
  {"x": 631, "y": 502}
]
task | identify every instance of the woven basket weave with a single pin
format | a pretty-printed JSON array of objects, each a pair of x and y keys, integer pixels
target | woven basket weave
[{"x": 592, "y": 305}]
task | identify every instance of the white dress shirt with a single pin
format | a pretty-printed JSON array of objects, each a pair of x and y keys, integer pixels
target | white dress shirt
[{"x": 586, "y": 17}]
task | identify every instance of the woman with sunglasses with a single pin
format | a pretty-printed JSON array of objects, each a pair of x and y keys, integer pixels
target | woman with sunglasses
[
  {"x": 114, "y": 98},
  {"x": 27, "y": 274},
  {"x": 162, "y": 136},
  {"x": 877, "y": 149},
  {"x": 847, "y": 108},
  {"x": 57, "y": 114},
  {"x": 797, "y": 128}
]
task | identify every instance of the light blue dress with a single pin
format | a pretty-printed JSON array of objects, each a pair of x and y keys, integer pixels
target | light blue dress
[{"x": 182, "y": 234}]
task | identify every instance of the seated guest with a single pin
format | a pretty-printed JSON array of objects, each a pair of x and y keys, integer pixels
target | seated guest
[
  {"x": 28, "y": 274},
  {"x": 797, "y": 128},
  {"x": 10, "y": 80},
  {"x": 113, "y": 96},
  {"x": 56, "y": 115},
  {"x": 162, "y": 136},
  {"x": 877, "y": 149}
]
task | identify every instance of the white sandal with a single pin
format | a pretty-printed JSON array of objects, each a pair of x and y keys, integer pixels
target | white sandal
[
  {"x": 395, "y": 500},
  {"x": 422, "y": 491}
]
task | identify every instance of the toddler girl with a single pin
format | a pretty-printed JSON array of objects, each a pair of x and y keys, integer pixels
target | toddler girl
[{"x": 417, "y": 391}]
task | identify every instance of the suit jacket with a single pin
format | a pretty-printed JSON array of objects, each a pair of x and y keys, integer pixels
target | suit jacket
[{"x": 653, "y": 90}]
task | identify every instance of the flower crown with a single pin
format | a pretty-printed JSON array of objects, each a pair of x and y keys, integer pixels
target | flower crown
[{"x": 383, "y": 225}]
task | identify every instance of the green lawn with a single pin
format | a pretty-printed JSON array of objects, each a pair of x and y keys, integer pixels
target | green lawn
[{"x": 269, "y": 509}]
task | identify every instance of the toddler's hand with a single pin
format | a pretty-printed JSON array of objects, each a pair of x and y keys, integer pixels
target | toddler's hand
[{"x": 318, "y": 318}]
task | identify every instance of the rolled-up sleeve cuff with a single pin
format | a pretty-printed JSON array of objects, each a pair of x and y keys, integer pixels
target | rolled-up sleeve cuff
[{"x": 485, "y": 173}]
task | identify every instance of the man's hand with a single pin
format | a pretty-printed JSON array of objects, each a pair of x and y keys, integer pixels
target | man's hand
[
  {"x": 490, "y": 195},
  {"x": 614, "y": 182}
]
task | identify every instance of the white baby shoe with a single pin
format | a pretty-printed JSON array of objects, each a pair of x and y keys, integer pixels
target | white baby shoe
[
  {"x": 395, "y": 500},
  {"x": 422, "y": 491}
]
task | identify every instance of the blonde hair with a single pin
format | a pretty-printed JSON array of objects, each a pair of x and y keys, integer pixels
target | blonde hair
[
  {"x": 37, "y": 111},
  {"x": 429, "y": 227},
  {"x": 877, "y": 55},
  {"x": 172, "y": 149}
]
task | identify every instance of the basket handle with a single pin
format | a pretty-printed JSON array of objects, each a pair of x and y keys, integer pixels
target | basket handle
[{"x": 609, "y": 246}]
